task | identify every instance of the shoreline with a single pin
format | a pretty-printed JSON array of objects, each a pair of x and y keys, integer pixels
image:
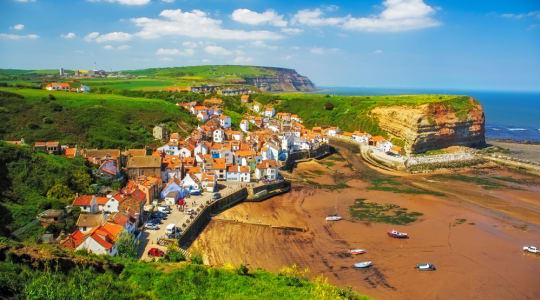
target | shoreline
[{"x": 524, "y": 142}]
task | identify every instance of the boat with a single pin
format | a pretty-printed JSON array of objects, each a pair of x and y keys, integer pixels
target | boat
[
  {"x": 531, "y": 249},
  {"x": 425, "y": 267},
  {"x": 398, "y": 235},
  {"x": 363, "y": 264},
  {"x": 357, "y": 251},
  {"x": 333, "y": 218}
]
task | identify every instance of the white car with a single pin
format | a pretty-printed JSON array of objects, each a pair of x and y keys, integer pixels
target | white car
[
  {"x": 531, "y": 249},
  {"x": 151, "y": 226}
]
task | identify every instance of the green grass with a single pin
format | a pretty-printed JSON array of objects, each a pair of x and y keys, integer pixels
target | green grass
[
  {"x": 222, "y": 73},
  {"x": 484, "y": 182},
  {"x": 146, "y": 280},
  {"x": 352, "y": 112},
  {"x": 130, "y": 84},
  {"x": 432, "y": 152},
  {"x": 102, "y": 121},
  {"x": 338, "y": 186},
  {"x": 382, "y": 213}
]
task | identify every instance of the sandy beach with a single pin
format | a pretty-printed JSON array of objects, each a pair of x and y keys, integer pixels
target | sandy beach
[{"x": 473, "y": 233}]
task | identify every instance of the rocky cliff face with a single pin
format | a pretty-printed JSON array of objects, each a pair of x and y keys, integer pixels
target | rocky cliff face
[
  {"x": 433, "y": 126},
  {"x": 284, "y": 80}
]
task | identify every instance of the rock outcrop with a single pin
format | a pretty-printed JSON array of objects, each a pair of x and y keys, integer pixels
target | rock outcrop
[
  {"x": 283, "y": 80},
  {"x": 433, "y": 126}
]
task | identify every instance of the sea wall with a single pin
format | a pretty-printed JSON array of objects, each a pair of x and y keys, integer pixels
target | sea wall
[{"x": 315, "y": 153}]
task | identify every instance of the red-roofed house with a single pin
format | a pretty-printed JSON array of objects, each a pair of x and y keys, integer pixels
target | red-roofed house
[
  {"x": 102, "y": 240},
  {"x": 238, "y": 173},
  {"x": 267, "y": 169}
]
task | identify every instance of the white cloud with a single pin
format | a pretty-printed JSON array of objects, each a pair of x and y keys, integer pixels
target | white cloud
[
  {"x": 189, "y": 44},
  {"x": 291, "y": 30},
  {"x": 250, "y": 17},
  {"x": 121, "y": 47},
  {"x": 242, "y": 60},
  {"x": 168, "y": 1},
  {"x": 186, "y": 52},
  {"x": 108, "y": 37},
  {"x": 25, "y": 1},
  {"x": 166, "y": 59},
  {"x": 124, "y": 2},
  {"x": 535, "y": 13},
  {"x": 68, "y": 35},
  {"x": 9, "y": 36},
  {"x": 398, "y": 15},
  {"x": 194, "y": 24},
  {"x": 217, "y": 50},
  {"x": 378, "y": 51},
  {"x": 319, "y": 51},
  {"x": 314, "y": 17},
  {"x": 261, "y": 44},
  {"x": 18, "y": 27},
  {"x": 288, "y": 57},
  {"x": 206, "y": 60}
]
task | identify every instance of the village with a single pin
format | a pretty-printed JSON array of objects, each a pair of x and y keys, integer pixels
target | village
[{"x": 168, "y": 187}]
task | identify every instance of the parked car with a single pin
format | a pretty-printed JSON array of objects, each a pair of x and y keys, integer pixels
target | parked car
[
  {"x": 160, "y": 215},
  {"x": 152, "y": 226},
  {"x": 156, "y": 221},
  {"x": 191, "y": 211},
  {"x": 155, "y": 252},
  {"x": 216, "y": 196},
  {"x": 164, "y": 209}
]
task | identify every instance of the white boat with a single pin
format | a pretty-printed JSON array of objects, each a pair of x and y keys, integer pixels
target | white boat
[
  {"x": 333, "y": 218},
  {"x": 363, "y": 264},
  {"x": 425, "y": 267},
  {"x": 357, "y": 251},
  {"x": 531, "y": 249}
]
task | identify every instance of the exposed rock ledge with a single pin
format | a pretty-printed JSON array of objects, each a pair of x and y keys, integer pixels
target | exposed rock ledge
[{"x": 433, "y": 126}]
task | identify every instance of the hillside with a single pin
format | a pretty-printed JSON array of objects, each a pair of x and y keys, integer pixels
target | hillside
[
  {"x": 265, "y": 78},
  {"x": 96, "y": 121},
  {"x": 418, "y": 122},
  {"x": 50, "y": 273},
  {"x": 31, "y": 182}
]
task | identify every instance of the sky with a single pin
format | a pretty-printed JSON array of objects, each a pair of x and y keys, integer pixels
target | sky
[{"x": 484, "y": 45}]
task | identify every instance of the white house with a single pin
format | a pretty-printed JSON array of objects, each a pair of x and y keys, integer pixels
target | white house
[
  {"x": 244, "y": 125},
  {"x": 102, "y": 240},
  {"x": 191, "y": 182},
  {"x": 111, "y": 206},
  {"x": 267, "y": 169},
  {"x": 269, "y": 112},
  {"x": 218, "y": 136},
  {"x": 202, "y": 116},
  {"x": 224, "y": 122},
  {"x": 83, "y": 89},
  {"x": 201, "y": 148},
  {"x": 236, "y": 135},
  {"x": 209, "y": 182},
  {"x": 238, "y": 173},
  {"x": 256, "y": 107},
  {"x": 186, "y": 151},
  {"x": 333, "y": 131}
]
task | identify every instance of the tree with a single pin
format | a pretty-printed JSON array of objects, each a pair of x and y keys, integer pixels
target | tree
[
  {"x": 81, "y": 180},
  {"x": 126, "y": 245},
  {"x": 329, "y": 106},
  {"x": 60, "y": 192}
]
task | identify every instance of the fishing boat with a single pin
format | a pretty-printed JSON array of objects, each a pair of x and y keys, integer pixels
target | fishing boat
[
  {"x": 357, "y": 251},
  {"x": 425, "y": 267},
  {"x": 531, "y": 249},
  {"x": 333, "y": 218},
  {"x": 396, "y": 234},
  {"x": 363, "y": 264}
]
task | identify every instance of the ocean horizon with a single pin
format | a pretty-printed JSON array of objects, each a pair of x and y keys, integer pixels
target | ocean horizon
[{"x": 509, "y": 115}]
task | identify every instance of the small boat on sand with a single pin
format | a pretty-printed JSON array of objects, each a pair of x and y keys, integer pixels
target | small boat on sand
[
  {"x": 398, "y": 235},
  {"x": 357, "y": 251},
  {"x": 333, "y": 218},
  {"x": 425, "y": 267},
  {"x": 531, "y": 249},
  {"x": 363, "y": 264}
]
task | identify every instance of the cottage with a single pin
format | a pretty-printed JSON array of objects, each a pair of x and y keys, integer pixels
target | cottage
[
  {"x": 224, "y": 121},
  {"x": 159, "y": 132},
  {"x": 218, "y": 135},
  {"x": 191, "y": 183},
  {"x": 144, "y": 166},
  {"x": 238, "y": 174},
  {"x": 244, "y": 98},
  {"x": 244, "y": 125},
  {"x": 87, "y": 222},
  {"x": 267, "y": 169},
  {"x": 58, "y": 86},
  {"x": 269, "y": 112},
  {"x": 102, "y": 240},
  {"x": 209, "y": 182},
  {"x": 51, "y": 147}
]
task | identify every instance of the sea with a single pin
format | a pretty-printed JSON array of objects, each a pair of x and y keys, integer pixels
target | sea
[{"x": 509, "y": 115}]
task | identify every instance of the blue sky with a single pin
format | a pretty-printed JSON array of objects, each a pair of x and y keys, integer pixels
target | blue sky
[{"x": 375, "y": 43}]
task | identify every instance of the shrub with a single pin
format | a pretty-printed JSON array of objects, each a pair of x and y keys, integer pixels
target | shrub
[
  {"x": 329, "y": 106},
  {"x": 197, "y": 259}
]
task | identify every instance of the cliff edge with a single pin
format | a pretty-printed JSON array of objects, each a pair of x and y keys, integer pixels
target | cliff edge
[
  {"x": 283, "y": 80},
  {"x": 434, "y": 125}
]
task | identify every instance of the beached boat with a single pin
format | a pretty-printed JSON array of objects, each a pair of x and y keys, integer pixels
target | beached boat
[
  {"x": 425, "y": 267},
  {"x": 531, "y": 249},
  {"x": 357, "y": 251},
  {"x": 396, "y": 234},
  {"x": 363, "y": 264},
  {"x": 333, "y": 218}
]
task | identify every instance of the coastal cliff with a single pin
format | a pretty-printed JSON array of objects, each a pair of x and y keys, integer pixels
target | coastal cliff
[
  {"x": 434, "y": 125},
  {"x": 283, "y": 80}
]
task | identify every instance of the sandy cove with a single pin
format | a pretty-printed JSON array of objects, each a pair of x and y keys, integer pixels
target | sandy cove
[{"x": 474, "y": 242}]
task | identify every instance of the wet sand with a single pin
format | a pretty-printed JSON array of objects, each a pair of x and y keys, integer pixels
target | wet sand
[{"x": 473, "y": 235}]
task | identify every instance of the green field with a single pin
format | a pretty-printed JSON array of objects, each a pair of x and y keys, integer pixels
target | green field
[
  {"x": 101, "y": 121},
  {"x": 223, "y": 73},
  {"x": 131, "y": 84},
  {"x": 352, "y": 112}
]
